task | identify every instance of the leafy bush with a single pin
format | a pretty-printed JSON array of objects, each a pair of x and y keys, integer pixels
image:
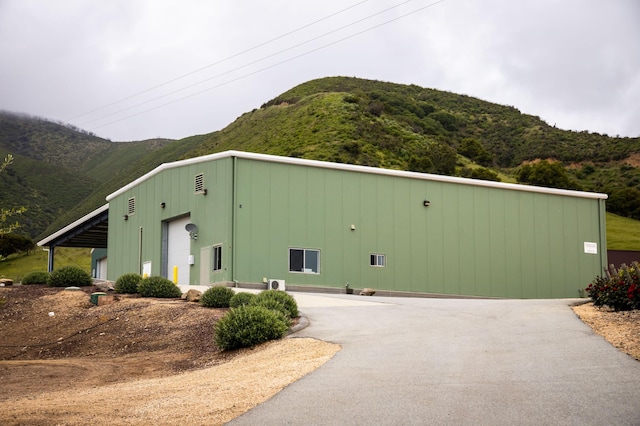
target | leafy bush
[
  {"x": 241, "y": 299},
  {"x": 624, "y": 202},
  {"x": 158, "y": 287},
  {"x": 217, "y": 297},
  {"x": 68, "y": 276},
  {"x": 275, "y": 299},
  {"x": 36, "y": 278},
  {"x": 127, "y": 283},
  {"x": 13, "y": 243},
  {"x": 248, "y": 326},
  {"x": 619, "y": 289},
  {"x": 548, "y": 174}
]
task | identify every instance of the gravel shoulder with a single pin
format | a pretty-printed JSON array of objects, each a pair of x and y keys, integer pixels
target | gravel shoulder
[{"x": 621, "y": 329}]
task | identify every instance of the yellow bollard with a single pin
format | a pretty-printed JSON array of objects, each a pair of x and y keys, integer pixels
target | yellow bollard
[{"x": 175, "y": 275}]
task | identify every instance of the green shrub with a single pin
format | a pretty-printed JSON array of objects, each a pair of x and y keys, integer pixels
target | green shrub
[
  {"x": 36, "y": 278},
  {"x": 619, "y": 289},
  {"x": 273, "y": 304},
  {"x": 217, "y": 297},
  {"x": 248, "y": 326},
  {"x": 158, "y": 287},
  {"x": 69, "y": 276},
  {"x": 241, "y": 299},
  {"x": 127, "y": 283},
  {"x": 267, "y": 297}
]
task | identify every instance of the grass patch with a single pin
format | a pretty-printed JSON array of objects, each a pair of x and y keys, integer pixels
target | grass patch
[
  {"x": 19, "y": 265},
  {"x": 623, "y": 233}
]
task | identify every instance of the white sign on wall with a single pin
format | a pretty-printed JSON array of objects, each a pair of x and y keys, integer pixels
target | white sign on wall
[{"x": 591, "y": 248}]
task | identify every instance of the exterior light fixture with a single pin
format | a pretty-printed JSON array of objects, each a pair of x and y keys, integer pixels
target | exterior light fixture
[
  {"x": 204, "y": 191},
  {"x": 125, "y": 217},
  {"x": 163, "y": 205},
  {"x": 426, "y": 203}
]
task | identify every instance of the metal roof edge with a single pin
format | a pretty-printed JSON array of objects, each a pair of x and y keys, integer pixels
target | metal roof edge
[
  {"x": 69, "y": 227},
  {"x": 417, "y": 175},
  {"x": 171, "y": 165},
  {"x": 361, "y": 169}
]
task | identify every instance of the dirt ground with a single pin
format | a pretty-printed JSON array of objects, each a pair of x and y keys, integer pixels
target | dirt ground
[
  {"x": 153, "y": 361},
  {"x": 137, "y": 361}
]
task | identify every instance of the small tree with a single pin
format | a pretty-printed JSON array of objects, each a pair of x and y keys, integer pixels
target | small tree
[{"x": 546, "y": 173}]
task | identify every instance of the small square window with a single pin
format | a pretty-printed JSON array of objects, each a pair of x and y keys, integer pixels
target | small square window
[
  {"x": 306, "y": 261},
  {"x": 217, "y": 258},
  {"x": 378, "y": 260}
]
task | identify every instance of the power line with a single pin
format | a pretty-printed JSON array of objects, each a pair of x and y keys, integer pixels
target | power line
[
  {"x": 275, "y": 64},
  {"x": 235, "y": 55},
  {"x": 246, "y": 65}
]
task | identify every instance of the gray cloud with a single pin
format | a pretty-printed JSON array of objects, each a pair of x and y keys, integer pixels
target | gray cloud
[{"x": 574, "y": 63}]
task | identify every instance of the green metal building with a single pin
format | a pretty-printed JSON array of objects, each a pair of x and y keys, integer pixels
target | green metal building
[{"x": 240, "y": 219}]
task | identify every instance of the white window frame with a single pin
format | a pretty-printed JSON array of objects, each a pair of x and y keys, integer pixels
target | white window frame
[
  {"x": 378, "y": 260},
  {"x": 216, "y": 258},
  {"x": 304, "y": 261}
]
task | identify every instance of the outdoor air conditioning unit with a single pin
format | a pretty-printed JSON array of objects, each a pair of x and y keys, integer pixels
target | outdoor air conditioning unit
[{"x": 277, "y": 285}]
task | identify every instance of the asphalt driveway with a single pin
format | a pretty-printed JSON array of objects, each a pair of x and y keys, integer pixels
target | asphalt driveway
[{"x": 408, "y": 361}]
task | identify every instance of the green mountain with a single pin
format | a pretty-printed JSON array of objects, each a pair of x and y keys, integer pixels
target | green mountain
[{"x": 61, "y": 173}]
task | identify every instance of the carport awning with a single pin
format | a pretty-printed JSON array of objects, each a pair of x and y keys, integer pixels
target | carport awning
[{"x": 89, "y": 231}]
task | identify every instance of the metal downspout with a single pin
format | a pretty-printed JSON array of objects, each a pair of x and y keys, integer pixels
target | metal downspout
[
  {"x": 234, "y": 219},
  {"x": 603, "y": 234},
  {"x": 50, "y": 256}
]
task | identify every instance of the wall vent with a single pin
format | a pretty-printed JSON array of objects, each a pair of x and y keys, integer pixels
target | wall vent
[
  {"x": 131, "y": 206},
  {"x": 199, "y": 183}
]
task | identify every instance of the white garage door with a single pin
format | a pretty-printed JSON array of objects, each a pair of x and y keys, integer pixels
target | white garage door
[{"x": 179, "y": 245}]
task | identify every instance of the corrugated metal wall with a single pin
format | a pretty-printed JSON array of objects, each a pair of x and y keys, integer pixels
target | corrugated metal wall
[
  {"x": 470, "y": 241},
  {"x": 175, "y": 187}
]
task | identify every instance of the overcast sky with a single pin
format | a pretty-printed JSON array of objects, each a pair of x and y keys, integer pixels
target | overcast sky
[{"x": 131, "y": 70}]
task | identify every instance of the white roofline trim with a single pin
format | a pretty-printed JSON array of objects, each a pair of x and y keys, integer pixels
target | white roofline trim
[
  {"x": 69, "y": 227},
  {"x": 355, "y": 168}
]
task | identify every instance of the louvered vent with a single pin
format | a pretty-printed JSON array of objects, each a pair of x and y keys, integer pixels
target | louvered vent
[
  {"x": 131, "y": 206},
  {"x": 199, "y": 183}
]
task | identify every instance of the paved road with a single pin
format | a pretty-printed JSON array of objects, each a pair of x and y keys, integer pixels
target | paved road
[{"x": 455, "y": 362}]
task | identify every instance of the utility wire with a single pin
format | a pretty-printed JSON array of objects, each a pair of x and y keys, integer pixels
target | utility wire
[
  {"x": 275, "y": 64},
  {"x": 235, "y": 55},
  {"x": 246, "y": 65}
]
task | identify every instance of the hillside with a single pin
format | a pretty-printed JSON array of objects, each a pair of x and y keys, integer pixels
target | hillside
[
  {"x": 60, "y": 173},
  {"x": 338, "y": 119},
  {"x": 405, "y": 127}
]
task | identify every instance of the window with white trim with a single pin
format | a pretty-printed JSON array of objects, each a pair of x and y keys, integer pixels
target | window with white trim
[
  {"x": 306, "y": 261},
  {"x": 131, "y": 206},
  {"x": 378, "y": 260},
  {"x": 216, "y": 261},
  {"x": 199, "y": 183}
]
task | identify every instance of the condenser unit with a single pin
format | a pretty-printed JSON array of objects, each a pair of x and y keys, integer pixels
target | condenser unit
[{"x": 277, "y": 285}]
